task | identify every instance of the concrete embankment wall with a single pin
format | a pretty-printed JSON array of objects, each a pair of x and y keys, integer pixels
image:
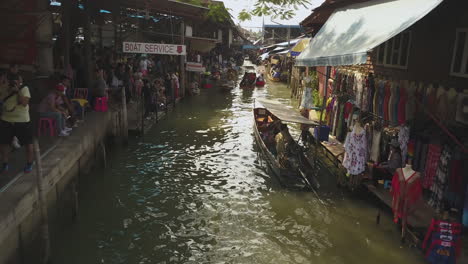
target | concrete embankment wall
[{"x": 20, "y": 219}]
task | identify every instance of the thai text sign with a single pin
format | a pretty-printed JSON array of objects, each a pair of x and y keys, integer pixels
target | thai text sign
[
  {"x": 194, "y": 67},
  {"x": 154, "y": 48}
]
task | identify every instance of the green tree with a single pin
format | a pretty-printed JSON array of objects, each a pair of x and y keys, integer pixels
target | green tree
[{"x": 282, "y": 9}]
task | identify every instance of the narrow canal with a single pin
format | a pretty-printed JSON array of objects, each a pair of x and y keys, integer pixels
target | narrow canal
[{"x": 193, "y": 190}]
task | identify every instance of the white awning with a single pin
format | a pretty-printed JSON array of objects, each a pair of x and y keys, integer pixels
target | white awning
[{"x": 352, "y": 31}]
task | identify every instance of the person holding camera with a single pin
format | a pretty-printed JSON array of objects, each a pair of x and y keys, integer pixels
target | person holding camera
[{"x": 15, "y": 121}]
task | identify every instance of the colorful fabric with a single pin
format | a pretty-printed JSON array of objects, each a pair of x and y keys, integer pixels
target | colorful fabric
[
  {"x": 371, "y": 93},
  {"x": 432, "y": 162},
  {"x": 442, "y": 242},
  {"x": 465, "y": 209},
  {"x": 410, "y": 102},
  {"x": 381, "y": 98},
  {"x": 375, "y": 149},
  {"x": 386, "y": 101},
  {"x": 355, "y": 152},
  {"x": 402, "y": 104},
  {"x": 406, "y": 192},
  {"x": 403, "y": 138},
  {"x": 440, "y": 183}
]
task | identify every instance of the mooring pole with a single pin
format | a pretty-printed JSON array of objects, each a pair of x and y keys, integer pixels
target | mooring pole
[{"x": 42, "y": 202}]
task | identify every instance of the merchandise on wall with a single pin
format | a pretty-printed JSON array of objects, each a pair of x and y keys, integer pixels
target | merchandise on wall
[{"x": 389, "y": 109}]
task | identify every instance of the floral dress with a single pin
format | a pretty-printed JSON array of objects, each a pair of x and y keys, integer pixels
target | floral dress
[{"x": 355, "y": 152}]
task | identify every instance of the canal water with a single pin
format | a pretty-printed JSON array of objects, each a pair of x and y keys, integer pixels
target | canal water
[{"x": 194, "y": 190}]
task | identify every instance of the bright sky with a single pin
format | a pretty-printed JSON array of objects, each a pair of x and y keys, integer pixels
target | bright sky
[{"x": 256, "y": 23}]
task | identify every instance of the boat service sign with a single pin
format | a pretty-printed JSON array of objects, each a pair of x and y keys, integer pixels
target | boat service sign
[{"x": 154, "y": 48}]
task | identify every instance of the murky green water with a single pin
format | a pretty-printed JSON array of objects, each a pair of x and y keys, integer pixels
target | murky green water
[{"x": 194, "y": 191}]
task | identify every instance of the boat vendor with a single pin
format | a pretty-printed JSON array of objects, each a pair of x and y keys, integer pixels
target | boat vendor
[
  {"x": 284, "y": 143},
  {"x": 394, "y": 158},
  {"x": 269, "y": 129},
  {"x": 394, "y": 162}
]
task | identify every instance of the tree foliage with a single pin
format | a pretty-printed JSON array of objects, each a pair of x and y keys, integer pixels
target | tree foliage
[{"x": 282, "y": 9}]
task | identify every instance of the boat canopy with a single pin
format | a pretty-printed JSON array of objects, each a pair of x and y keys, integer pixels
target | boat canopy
[
  {"x": 352, "y": 31},
  {"x": 300, "y": 47},
  {"x": 285, "y": 113}
]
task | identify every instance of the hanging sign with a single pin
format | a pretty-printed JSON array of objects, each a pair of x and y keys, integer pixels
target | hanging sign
[
  {"x": 194, "y": 67},
  {"x": 154, "y": 48}
]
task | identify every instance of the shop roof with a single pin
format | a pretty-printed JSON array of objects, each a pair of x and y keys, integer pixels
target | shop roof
[{"x": 352, "y": 31}]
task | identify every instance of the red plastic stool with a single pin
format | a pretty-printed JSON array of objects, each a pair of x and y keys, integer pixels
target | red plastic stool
[
  {"x": 47, "y": 123},
  {"x": 100, "y": 104}
]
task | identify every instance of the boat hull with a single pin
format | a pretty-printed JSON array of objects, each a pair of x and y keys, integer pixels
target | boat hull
[{"x": 287, "y": 177}]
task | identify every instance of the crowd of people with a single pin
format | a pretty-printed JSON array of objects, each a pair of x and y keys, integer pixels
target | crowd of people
[{"x": 151, "y": 80}]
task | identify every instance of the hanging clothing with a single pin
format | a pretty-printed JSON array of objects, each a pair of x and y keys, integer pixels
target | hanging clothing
[
  {"x": 406, "y": 192},
  {"x": 401, "y": 108},
  {"x": 386, "y": 101},
  {"x": 395, "y": 102},
  {"x": 307, "y": 100},
  {"x": 410, "y": 102},
  {"x": 371, "y": 93},
  {"x": 431, "y": 100},
  {"x": 341, "y": 127},
  {"x": 355, "y": 151},
  {"x": 391, "y": 102},
  {"x": 403, "y": 138},
  {"x": 442, "y": 242},
  {"x": 432, "y": 161},
  {"x": 440, "y": 184},
  {"x": 375, "y": 149},
  {"x": 454, "y": 193},
  {"x": 452, "y": 96},
  {"x": 465, "y": 209},
  {"x": 376, "y": 97},
  {"x": 358, "y": 90},
  {"x": 442, "y": 108},
  {"x": 381, "y": 98}
]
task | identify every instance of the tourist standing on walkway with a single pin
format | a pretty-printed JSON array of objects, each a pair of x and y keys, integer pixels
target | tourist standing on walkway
[{"x": 15, "y": 121}]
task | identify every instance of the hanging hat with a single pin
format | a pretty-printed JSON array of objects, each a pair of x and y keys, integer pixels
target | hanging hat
[{"x": 394, "y": 143}]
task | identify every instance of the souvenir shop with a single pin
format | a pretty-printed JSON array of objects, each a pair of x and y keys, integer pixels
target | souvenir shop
[{"x": 405, "y": 138}]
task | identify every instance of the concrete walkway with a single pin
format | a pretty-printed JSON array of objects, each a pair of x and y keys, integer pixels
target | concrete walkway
[{"x": 65, "y": 158}]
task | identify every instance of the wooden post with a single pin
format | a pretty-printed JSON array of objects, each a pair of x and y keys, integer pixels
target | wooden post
[
  {"x": 66, "y": 35},
  {"x": 124, "y": 118},
  {"x": 87, "y": 43},
  {"x": 182, "y": 61},
  {"x": 42, "y": 202}
]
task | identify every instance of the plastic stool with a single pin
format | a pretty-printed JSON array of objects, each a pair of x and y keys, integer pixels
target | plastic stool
[
  {"x": 100, "y": 104},
  {"x": 47, "y": 122}
]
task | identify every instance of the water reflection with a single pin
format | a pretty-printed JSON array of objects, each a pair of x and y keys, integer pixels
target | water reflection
[{"x": 195, "y": 191}]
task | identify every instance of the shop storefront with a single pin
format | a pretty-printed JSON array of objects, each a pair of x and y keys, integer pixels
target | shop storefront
[{"x": 403, "y": 139}]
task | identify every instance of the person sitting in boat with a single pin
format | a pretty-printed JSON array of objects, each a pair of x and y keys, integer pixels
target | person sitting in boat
[{"x": 284, "y": 143}]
